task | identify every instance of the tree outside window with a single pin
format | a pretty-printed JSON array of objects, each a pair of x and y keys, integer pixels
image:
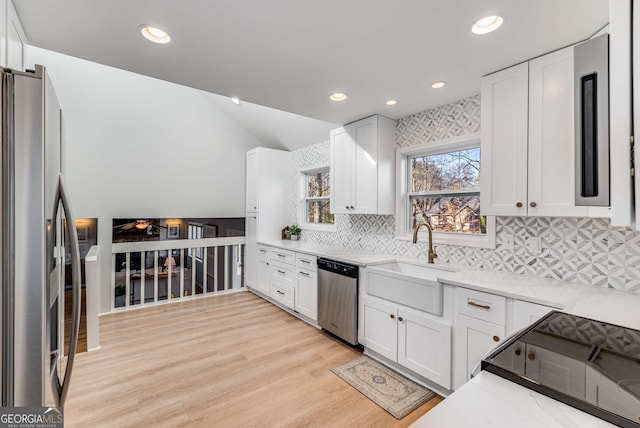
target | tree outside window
[
  {"x": 317, "y": 197},
  {"x": 445, "y": 188}
]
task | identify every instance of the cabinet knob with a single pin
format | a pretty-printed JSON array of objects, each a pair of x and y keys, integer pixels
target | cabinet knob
[
  {"x": 519, "y": 204},
  {"x": 400, "y": 319},
  {"x": 518, "y": 352},
  {"x": 392, "y": 316},
  {"x": 496, "y": 339},
  {"x": 352, "y": 207},
  {"x": 533, "y": 205},
  {"x": 531, "y": 356},
  {"x": 347, "y": 206}
]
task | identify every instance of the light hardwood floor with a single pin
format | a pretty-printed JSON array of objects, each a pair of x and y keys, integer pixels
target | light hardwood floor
[{"x": 227, "y": 361}]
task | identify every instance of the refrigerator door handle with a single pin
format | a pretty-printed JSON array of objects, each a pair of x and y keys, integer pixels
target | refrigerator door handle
[{"x": 61, "y": 389}]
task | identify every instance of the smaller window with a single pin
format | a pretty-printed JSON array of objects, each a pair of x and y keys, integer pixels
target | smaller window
[{"x": 317, "y": 191}]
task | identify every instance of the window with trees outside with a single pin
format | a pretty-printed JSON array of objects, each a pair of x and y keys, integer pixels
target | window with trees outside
[
  {"x": 317, "y": 197},
  {"x": 445, "y": 189},
  {"x": 440, "y": 181}
]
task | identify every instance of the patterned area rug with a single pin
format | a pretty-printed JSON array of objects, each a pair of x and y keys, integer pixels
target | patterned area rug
[{"x": 393, "y": 392}]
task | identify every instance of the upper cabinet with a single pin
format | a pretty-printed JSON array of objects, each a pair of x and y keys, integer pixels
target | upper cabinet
[
  {"x": 363, "y": 167},
  {"x": 527, "y": 140},
  {"x": 12, "y": 37}
]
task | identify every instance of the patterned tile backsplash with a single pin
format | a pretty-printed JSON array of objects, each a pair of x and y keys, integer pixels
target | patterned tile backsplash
[{"x": 585, "y": 250}]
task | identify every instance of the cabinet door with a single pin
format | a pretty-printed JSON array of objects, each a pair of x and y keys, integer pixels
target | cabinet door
[
  {"x": 556, "y": 371},
  {"x": 526, "y": 313},
  {"x": 503, "y": 148},
  {"x": 251, "y": 251},
  {"x": 379, "y": 327},
  {"x": 252, "y": 182},
  {"x": 424, "y": 346},
  {"x": 473, "y": 339},
  {"x": 551, "y": 190},
  {"x": 365, "y": 133},
  {"x": 607, "y": 394},
  {"x": 262, "y": 276},
  {"x": 342, "y": 170},
  {"x": 307, "y": 294}
]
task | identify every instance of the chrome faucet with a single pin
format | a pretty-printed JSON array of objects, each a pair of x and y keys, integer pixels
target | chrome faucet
[{"x": 432, "y": 253}]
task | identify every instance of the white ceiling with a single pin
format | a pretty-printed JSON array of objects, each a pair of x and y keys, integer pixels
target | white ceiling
[{"x": 291, "y": 54}]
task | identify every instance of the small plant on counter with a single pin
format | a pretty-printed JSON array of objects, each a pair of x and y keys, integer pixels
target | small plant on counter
[{"x": 295, "y": 230}]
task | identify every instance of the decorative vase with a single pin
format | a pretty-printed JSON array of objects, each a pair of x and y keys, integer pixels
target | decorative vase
[{"x": 295, "y": 237}]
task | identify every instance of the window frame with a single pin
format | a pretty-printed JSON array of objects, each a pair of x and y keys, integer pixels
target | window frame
[
  {"x": 303, "y": 199},
  {"x": 403, "y": 195}
]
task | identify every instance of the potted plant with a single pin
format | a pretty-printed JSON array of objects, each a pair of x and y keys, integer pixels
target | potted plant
[{"x": 295, "y": 230}]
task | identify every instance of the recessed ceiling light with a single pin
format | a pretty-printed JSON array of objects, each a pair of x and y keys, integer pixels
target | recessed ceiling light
[
  {"x": 338, "y": 96},
  {"x": 391, "y": 102},
  {"x": 438, "y": 85},
  {"x": 487, "y": 24},
  {"x": 154, "y": 34},
  {"x": 235, "y": 100}
]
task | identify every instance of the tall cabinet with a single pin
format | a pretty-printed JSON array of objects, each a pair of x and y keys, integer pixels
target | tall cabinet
[{"x": 267, "y": 192}]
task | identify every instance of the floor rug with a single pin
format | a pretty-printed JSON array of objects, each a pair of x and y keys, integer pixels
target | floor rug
[{"x": 393, "y": 392}]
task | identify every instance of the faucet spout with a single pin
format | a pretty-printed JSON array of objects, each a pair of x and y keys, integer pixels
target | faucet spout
[{"x": 432, "y": 253}]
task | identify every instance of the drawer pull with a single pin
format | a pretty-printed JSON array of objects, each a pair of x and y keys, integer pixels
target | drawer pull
[
  {"x": 478, "y": 305},
  {"x": 304, "y": 273},
  {"x": 279, "y": 292},
  {"x": 305, "y": 261},
  {"x": 392, "y": 316},
  {"x": 263, "y": 251},
  {"x": 496, "y": 339},
  {"x": 281, "y": 255},
  {"x": 282, "y": 272}
]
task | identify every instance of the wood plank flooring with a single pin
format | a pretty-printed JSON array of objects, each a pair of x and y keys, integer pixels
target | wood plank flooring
[{"x": 227, "y": 361}]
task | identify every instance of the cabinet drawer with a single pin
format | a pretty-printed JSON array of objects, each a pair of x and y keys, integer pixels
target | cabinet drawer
[
  {"x": 284, "y": 256},
  {"x": 483, "y": 306},
  {"x": 263, "y": 252},
  {"x": 305, "y": 261},
  {"x": 283, "y": 293},
  {"x": 283, "y": 273}
]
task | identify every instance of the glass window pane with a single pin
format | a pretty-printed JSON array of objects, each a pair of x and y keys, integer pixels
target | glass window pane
[
  {"x": 459, "y": 214},
  {"x": 318, "y": 212},
  {"x": 318, "y": 184},
  {"x": 459, "y": 170}
]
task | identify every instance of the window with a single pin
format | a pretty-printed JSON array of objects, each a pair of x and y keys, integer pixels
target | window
[
  {"x": 195, "y": 232},
  {"x": 442, "y": 185},
  {"x": 314, "y": 212}
]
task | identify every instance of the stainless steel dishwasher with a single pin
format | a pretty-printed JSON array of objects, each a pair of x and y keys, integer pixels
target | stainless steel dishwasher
[{"x": 338, "y": 299}]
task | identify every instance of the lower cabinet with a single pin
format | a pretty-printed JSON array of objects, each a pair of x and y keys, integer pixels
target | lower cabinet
[
  {"x": 408, "y": 337},
  {"x": 474, "y": 338},
  {"x": 307, "y": 294},
  {"x": 262, "y": 280}
]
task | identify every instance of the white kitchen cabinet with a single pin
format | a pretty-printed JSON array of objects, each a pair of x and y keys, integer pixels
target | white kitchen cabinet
[
  {"x": 267, "y": 182},
  {"x": 473, "y": 339},
  {"x": 527, "y": 140},
  {"x": 307, "y": 294},
  {"x": 479, "y": 325},
  {"x": 363, "y": 167},
  {"x": 424, "y": 346},
  {"x": 378, "y": 327},
  {"x": 408, "y": 337},
  {"x": 251, "y": 250},
  {"x": 262, "y": 282}
]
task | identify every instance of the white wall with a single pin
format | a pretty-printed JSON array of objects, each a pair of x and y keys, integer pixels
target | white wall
[{"x": 143, "y": 148}]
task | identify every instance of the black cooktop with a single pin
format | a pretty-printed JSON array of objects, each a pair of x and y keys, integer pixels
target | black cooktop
[{"x": 591, "y": 365}]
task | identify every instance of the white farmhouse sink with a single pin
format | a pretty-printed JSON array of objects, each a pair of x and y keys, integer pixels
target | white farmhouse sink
[{"x": 409, "y": 284}]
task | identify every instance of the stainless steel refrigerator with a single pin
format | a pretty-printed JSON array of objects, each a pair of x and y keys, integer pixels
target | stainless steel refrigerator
[{"x": 36, "y": 223}]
